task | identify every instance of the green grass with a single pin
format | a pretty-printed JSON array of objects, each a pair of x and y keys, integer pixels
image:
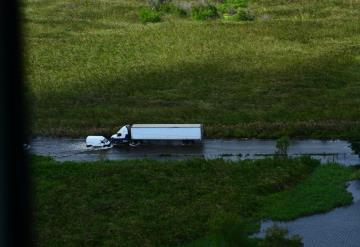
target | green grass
[
  {"x": 356, "y": 175},
  {"x": 92, "y": 66},
  {"x": 323, "y": 190},
  {"x": 167, "y": 203},
  {"x": 148, "y": 15}
]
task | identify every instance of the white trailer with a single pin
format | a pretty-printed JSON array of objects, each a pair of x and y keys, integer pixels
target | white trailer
[{"x": 137, "y": 133}]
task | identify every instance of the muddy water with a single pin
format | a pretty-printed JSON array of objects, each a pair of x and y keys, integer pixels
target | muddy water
[
  {"x": 74, "y": 149},
  {"x": 339, "y": 227}
]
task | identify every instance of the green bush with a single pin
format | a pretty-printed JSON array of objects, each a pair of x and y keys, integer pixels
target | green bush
[
  {"x": 172, "y": 9},
  {"x": 228, "y": 6},
  {"x": 149, "y": 15},
  {"x": 277, "y": 236},
  {"x": 239, "y": 3},
  {"x": 235, "y": 232},
  {"x": 207, "y": 12},
  {"x": 282, "y": 145},
  {"x": 244, "y": 15},
  {"x": 355, "y": 146},
  {"x": 355, "y": 175}
]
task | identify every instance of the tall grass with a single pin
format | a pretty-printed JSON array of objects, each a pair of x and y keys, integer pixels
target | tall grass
[
  {"x": 168, "y": 203},
  {"x": 92, "y": 66}
]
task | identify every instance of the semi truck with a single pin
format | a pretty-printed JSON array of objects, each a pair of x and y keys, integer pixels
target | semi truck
[{"x": 135, "y": 134}]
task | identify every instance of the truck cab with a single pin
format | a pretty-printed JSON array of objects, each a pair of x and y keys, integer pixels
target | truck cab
[{"x": 122, "y": 136}]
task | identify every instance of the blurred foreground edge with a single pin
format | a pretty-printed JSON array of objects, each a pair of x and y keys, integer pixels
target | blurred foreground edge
[{"x": 14, "y": 170}]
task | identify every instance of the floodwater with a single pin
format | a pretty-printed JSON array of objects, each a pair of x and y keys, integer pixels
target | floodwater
[
  {"x": 339, "y": 227},
  {"x": 64, "y": 149}
]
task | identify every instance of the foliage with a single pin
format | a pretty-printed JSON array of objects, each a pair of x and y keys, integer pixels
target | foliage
[
  {"x": 173, "y": 202},
  {"x": 355, "y": 175},
  {"x": 173, "y": 9},
  {"x": 282, "y": 145},
  {"x": 229, "y": 6},
  {"x": 355, "y": 146},
  {"x": 232, "y": 230},
  {"x": 239, "y": 15},
  {"x": 323, "y": 190},
  {"x": 149, "y": 15},
  {"x": 277, "y": 236},
  {"x": 244, "y": 15},
  {"x": 202, "y": 13}
]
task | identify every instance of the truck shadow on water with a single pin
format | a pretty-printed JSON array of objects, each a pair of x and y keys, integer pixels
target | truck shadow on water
[{"x": 161, "y": 150}]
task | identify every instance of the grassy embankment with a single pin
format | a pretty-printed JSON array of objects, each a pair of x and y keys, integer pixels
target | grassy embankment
[
  {"x": 92, "y": 66},
  {"x": 153, "y": 203}
]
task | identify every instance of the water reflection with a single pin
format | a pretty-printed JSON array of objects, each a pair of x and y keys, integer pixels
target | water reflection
[{"x": 62, "y": 149}]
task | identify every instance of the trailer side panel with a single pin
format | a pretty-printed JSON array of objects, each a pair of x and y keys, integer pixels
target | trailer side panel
[{"x": 166, "y": 133}]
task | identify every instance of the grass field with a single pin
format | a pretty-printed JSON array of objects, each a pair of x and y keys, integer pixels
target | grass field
[
  {"x": 295, "y": 70},
  {"x": 168, "y": 203}
]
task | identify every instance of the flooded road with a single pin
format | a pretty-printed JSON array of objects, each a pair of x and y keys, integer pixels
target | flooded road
[
  {"x": 63, "y": 149},
  {"x": 339, "y": 227}
]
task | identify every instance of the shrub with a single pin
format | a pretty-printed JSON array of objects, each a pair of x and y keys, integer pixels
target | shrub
[
  {"x": 229, "y": 6},
  {"x": 277, "y": 236},
  {"x": 239, "y": 3},
  {"x": 233, "y": 229},
  {"x": 173, "y": 9},
  {"x": 202, "y": 13},
  {"x": 149, "y": 15},
  {"x": 355, "y": 175},
  {"x": 244, "y": 15},
  {"x": 355, "y": 146},
  {"x": 282, "y": 145}
]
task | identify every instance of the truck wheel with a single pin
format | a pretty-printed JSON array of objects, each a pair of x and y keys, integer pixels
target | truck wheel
[
  {"x": 185, "y": 142},
  {"x": 134, "y": 143}
]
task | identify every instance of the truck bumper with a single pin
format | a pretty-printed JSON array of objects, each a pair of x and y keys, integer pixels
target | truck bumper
[{"x": 115, "y": 141}]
